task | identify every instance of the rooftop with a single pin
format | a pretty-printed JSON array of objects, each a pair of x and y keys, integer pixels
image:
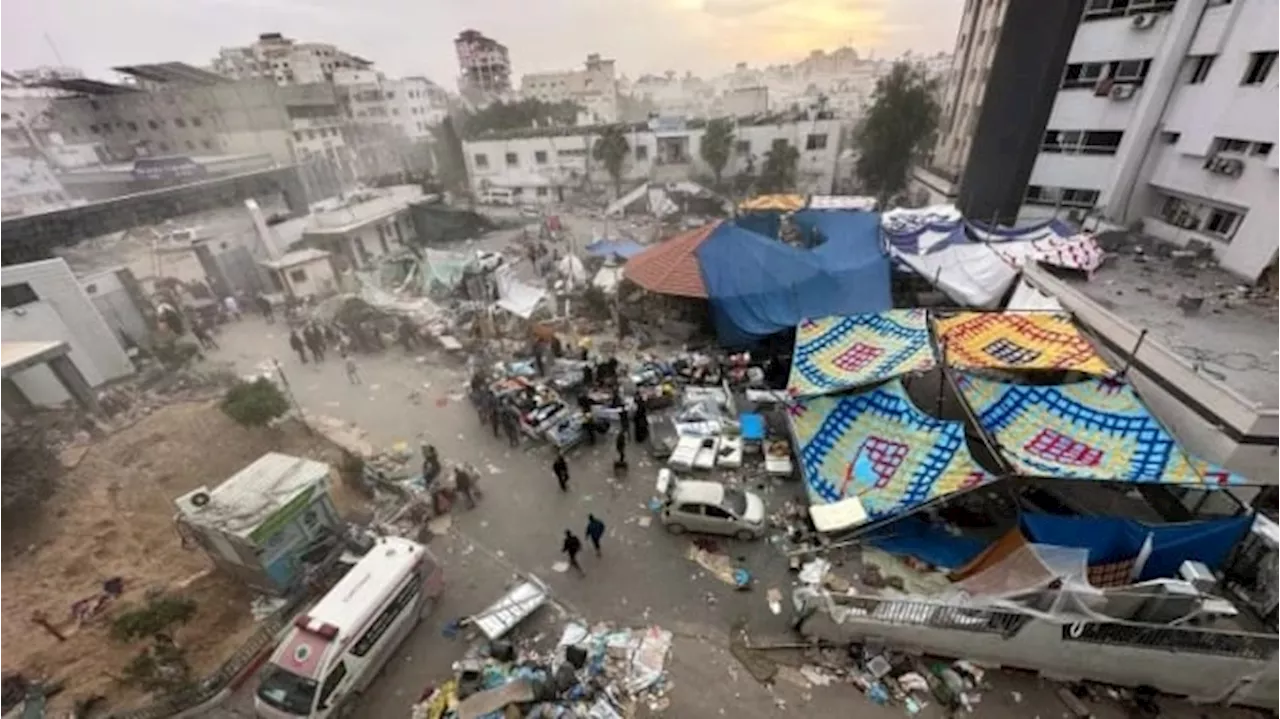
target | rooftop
[
  {"x": 172, "y": 72},
  {"x": 361, "y": 209},
  {"x": 295, "y": 258},
  {"x": 1231, "y": 338},
  {"x": 251, "y": 496},
  {"x": 17, "y": 356}
]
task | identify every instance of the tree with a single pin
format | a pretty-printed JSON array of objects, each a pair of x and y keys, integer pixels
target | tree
[
  {"x": 717, "y": 143},
  {"x": 779, "y": 171},
  {"x": 519, "y": 115},
  {"x": 162, "y": 665},
  {"x": 897, "y": 130},
  {"x": 612, "y": 150},
  {"x": 256, "y": 403}
]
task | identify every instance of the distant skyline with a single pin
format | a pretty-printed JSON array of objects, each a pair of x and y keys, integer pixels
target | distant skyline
[{"x": 405, "y": 37}]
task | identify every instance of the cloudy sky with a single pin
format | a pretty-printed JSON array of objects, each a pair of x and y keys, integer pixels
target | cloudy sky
[{"x": 415, "y": 36}]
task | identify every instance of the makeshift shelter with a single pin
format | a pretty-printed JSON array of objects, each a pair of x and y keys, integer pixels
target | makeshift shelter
[
  {"x": 1026, "y": 298},
  {"x": 1092, "y": 429},
  {"x": 1016, "y": 341},
  {"x": 861, "y": 203},
  {"x": 437, "y": 223},
  {"x": 623, "y": 249},
  {"x": 833, "y": 354},
  {"x": 783, "y": 203},
  {"x": 763, "y": 214},
  {"x": 671, "y": 268},
  {"x": 879, "y": 448}
]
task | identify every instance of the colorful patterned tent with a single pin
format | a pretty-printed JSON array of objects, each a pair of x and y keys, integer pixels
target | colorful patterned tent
[
  {"x": 1017, "y": 341},
  {"x": 784, "y": 203},
  {"x": 839, "y": 353},
  {"x": 879, "y": 447},
  {"x": 1094, "y": 429}
]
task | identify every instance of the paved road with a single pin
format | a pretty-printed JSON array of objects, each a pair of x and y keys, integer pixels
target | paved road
[{"x": 642, "y": 578}]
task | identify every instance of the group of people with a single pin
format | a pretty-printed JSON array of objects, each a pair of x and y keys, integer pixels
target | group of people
[{"x": 572, "y": 546}]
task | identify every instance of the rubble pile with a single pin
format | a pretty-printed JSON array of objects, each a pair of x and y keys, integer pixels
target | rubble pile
[{"x": 602, "y": 673}]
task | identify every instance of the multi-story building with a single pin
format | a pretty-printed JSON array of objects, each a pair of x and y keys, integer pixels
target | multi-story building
[
  {"x": 411, "y": 104},
  {"x": 594, "y": 88},
  {"x": 539, "y": 164},
  {"x": 1161, "y": 113},
  {"x": 286, "y": 61},
  {"x": 485, "y": 65}
]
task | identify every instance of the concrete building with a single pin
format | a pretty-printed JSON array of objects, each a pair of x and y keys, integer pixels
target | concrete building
[
  {"x": 594, "y": 88},
  {"x": 302, "y": 274},
  {"x": 362, "y": 228},
  {"x": 745, "y": 101},
  {"x": 285, "y": 61},
  {"x": 410, "y": 104},
  {"x": 29, "y": 186},
  {"x": 539, "y": 164},
  {"x": 484, "y": 63},
  {"x": 44, "y": 303},
  {"x": 1155, "y": 112}
]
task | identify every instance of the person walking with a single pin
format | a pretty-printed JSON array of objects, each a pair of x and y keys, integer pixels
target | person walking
[
  {"x": 203, "y": 337},
  {"x": 353, "y": 372},
  {"x": 620, "y": 444},
  {"x": 641, "y": 432},
  {"x": 264, "y": 306},
  {"x": 315, "y": 342},
  {"x": 466, "y": 485},
  {"x": 571, "y": 546},
  {"x": 561, "y": 468},
  {"x": 511, "y": 423},
  {"x": 296, "y": 343},
  {"x": 232, "y": 307},
  {"x": 496, "y": 411},
  {"x": 595, "y": 530}
]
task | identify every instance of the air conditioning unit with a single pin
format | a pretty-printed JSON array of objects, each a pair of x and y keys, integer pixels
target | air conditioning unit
[
  {"x": 1144, "y": 21},
  {"x": 1123, "y": 92},
  {"x": 192, "y": 502},
  {"x": 1228, "y": 166}
]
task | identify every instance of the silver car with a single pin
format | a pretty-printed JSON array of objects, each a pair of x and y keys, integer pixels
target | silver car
[{"x": 710, "y": 508}]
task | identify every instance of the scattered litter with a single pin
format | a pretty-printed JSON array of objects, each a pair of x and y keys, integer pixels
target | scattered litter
[
  {"x": 561, "y": 567},
  {"x": 493, "y": 469},
  {"x": 1016, "y": 697},
  {"x": 644, "y": 521},
  {"x": 774, "y": 597},
  {"x": 879, "y": 667},
  {"x": 816, "y": 675},
  {"x": 263, "y": 607}
]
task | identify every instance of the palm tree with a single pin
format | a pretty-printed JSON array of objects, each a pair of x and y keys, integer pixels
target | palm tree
[
  {"x": 612, "y": 150},
  {"x": 779, "y": 172},
  {"x": 717, "y": 142}
]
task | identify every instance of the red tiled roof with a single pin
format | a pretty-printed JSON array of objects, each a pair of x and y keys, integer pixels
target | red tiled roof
[{"x": 671, "y": 268}]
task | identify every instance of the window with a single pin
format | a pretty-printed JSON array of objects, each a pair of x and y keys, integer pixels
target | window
[
  {"x": 298, "y": 275},
  {"x": 331, "y": 683},
  {"x": 1102, "y": 9},
  {"x": 207, "y": 144},
  {"x": 179, "y": 122},
  {"x": 642, "y": 153},
  {"x": 1130, "y": 71},
  {"x": 1082, "y": 74},
  {"x": 388, "y": 616},
  {"x": 1262, "y": 149},
  {"x": 742, "y": 147},
  {"x": 1061, "y": 196},
  {"x": 513, "y": 160},
  {"x": 690, "y": 509},
  {"x": 1260, "y": 64},
  {"x": 164, "y": 147},
  {"x": 1082, "y": 142},
  {"x": 816, "y": 142},
  {"x": 1221, "y": 222},
  {"x": 191, "y": 145},
  {"x": 196, "y": 122},
  {"x": 1200, "y": 66},
  {"x": 1231, "y": 145},
  {"x": 93, "y": 129},
  {"x": 297, "y": 135},
  {"x": 153, "y": 124},
  {"x": 717, "y": 513},
  {"x": 133, "y": 127},
  {"x": 540, "y": 157},
  {"x": 17, "y": 295},
  {"x": 1170, "y": 138},
  {"x": 481, "y": 160},
  {"x": 780, "y": 144},
  {"x": 541, "y": 192}
]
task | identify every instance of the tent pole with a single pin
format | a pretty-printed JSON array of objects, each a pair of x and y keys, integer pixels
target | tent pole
[
  {"x": 942, "y": 378},
  {"x": 988, "y": 441},
  {"x": 1124, "y": 371}
]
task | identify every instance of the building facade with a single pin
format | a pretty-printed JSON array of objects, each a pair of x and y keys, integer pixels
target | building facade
[
  {"x": 285, "y": 61},
  {"x": 1158, "y": 113},
  {"x": 594, "y": 88},
  {"x": 540, "y": 164},
  {"x": 484, "y": 63}
]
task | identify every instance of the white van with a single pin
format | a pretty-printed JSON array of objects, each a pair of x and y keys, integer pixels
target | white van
[
  {"x": 334, "y": 651},
  {"x": 498, "y": 196}
]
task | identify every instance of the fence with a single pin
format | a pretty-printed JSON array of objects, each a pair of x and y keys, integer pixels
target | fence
[
  {"x": 930, "y": 614},
  {"x": 219, "y": 680},
  {"x": 1192, "y": 640}
]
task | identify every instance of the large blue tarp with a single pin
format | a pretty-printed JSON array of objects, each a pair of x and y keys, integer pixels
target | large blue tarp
[
  {"x": 759, "y": 286},
  {"x": 764, "y": 222},
  {"x": 932, "y": 544},
  {"x": 626, "y": 249},
  {"x": 1114, "y": 539}
]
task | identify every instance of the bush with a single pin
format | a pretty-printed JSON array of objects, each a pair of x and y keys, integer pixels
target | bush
[
  {"x": 153, "y": 619},
  {"x": 162, "y": 668},
  {"x": 254, "y": 404}
]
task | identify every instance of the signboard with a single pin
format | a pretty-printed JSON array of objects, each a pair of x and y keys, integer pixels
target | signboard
[{"x": 168, "y": 169}]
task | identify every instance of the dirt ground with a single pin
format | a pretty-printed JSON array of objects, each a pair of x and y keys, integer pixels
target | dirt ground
[{"x": 112, "y": 516}]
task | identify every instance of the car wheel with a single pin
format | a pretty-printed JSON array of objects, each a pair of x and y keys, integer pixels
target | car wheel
[
  {"x": 347, "y": 709},
  {"x": 676, "y": 528},
  {"x": 745, "y": 535},
  {"x": 428, "y": 606}
]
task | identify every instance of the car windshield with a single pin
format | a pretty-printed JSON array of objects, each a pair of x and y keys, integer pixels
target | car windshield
[
  {"x": 287, "y": 691},
  {"x": 735, "y": 501}
]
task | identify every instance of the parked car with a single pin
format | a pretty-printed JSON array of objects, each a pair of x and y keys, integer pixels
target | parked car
[{"x": 709, "y": 508}]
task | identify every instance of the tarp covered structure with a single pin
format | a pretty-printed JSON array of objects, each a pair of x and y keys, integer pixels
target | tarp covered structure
[
  {"x": 1016, "y": 341},
  {"x": 784, "y": 203},
  {"x": 879, "y": 447},
  {"x": 759, "y": 286},
  {"x": 1094, "y": 429},
  {"x": 622, "y": 248},
  {"x": 839, "y": 353},
  {"x": 437, "y": 223}
]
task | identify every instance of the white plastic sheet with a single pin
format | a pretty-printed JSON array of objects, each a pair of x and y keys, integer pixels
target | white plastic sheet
[{"x": 1026, "y": 298}]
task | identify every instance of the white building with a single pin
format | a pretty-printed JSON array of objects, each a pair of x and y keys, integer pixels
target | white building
[
  {"x": 540, "y": 163},
  {"x": 286, "y": 61},
  {"x": 594, "y": 88},
  {"x": 29, "y": 186},
  {"x": 411, "y": 104}
]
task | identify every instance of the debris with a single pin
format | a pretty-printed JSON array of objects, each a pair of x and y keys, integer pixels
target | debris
[
  {"x": 1074, "y": 704},
  {"x": 644, "y": 521},
  {"x": 879, "y": 667},
  {"x": 817, "y": 676},
  {"x": 560, "y": 567},
  {"x": 774, "y": 597}
]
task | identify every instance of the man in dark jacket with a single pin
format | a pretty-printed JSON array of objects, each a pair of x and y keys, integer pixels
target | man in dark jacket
[
  {"x": 621, "y": 445},
  {"x": 561, "y": 468},
  {"x": 296, "y": 343},
  {"x": 571, "y": 546},
  {"x": 595, "y": 530}
]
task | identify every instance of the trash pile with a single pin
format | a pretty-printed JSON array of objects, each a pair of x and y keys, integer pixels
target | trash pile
[{"x": 602, "y": 673}]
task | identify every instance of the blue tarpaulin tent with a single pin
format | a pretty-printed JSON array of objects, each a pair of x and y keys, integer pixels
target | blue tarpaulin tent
[
  {"x": 759, "y": 286},
  {"x": 626, "y": 249},
  {"x": 1113, "y": 539}
]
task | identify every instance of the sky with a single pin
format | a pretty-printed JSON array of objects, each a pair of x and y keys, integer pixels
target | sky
[{"x": 415, "y": 37}]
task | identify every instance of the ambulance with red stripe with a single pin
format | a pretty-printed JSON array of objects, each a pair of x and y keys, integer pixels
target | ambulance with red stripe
[{"x": 333, "y": 652}]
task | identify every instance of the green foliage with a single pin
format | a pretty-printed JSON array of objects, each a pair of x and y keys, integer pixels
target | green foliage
[
  {"x": 717, "y": 143},
  {"x": 779, "y": 171},
  {"x": 161, "y": 668},
  {"x": 159, "y": 614},
  {"x": 254, "y": 404},
  {"x": 612, "y": 150},
  {"x": 520, "y": 114},
  {"x": 898, "y": 130}
]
